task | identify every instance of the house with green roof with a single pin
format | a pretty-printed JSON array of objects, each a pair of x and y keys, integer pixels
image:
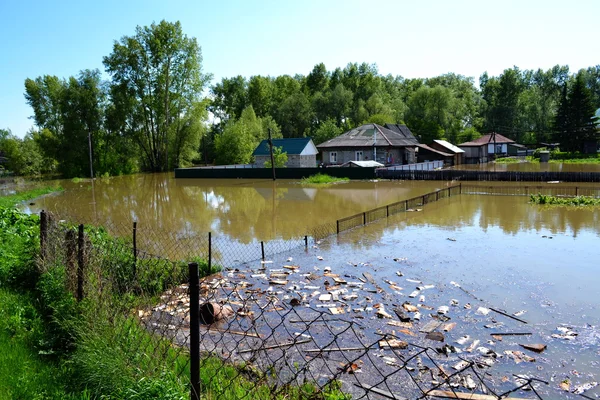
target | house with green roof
[{"x": 301, "y": 152}]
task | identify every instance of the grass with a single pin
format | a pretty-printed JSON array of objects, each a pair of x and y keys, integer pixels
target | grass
[
  {"x": 578, "y": 201},
  {"x": 12, "y": 200},
  {"x": 507, "y": 160},
  {"x": 322, "y": 179}
]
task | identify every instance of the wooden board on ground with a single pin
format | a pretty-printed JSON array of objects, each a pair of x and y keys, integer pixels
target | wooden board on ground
[{"x": 470, "y": 396}]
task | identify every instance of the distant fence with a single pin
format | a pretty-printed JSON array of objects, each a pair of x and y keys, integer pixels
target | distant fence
[
  {"x": 509, "y": 176},
  {"x": 280, "y": 173},
  {"x": 423, "y": 166},
  {"x": 232, "y": 166},
  {"x": 552, "y": 190},
  {"x": 375, "y": 214}
]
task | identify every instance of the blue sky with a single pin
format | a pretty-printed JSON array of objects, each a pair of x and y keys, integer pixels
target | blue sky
[{"x": 408, "y": 38}]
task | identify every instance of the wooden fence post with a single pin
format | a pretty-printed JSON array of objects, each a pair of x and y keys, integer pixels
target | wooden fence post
[
  {"x": 134, "y": 248},
  {"x": 194, "y": 332},
  {"x": 43, "y": 234},
  {"x": 364, "y": 218},
  {"x": 387, "y": 210},
  {"x": 337, "y": 223},
  {"x": 80, "y": 262},
  {"x": 71, "y": 244}
]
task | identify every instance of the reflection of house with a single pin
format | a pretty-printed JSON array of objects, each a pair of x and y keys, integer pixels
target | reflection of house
[
  {"x": 392, "y": 144},
  {"x": 483, "y": 149},
  {"x": 301, "y": 152},
  {"x": 441, "y": 150}
]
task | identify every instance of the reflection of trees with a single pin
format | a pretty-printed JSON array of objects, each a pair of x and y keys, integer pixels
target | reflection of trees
[{"x": 175, "y": 215}]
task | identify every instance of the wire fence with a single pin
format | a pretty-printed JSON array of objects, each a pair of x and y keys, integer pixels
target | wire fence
[{"x": 244, "y": 320}]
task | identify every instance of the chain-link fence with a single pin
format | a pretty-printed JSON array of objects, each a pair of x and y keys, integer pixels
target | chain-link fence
[{"x": 244, "y": 320}]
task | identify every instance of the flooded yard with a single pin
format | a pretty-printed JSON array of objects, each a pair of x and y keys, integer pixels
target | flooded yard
[{"x": 500, "y": 253}]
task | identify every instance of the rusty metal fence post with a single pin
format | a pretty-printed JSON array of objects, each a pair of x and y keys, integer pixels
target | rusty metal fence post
[
  {"x": 80, "y": 262},
  {"x": 194, "y": 332},
  {"x": 209, "y": 252},
  {"x": 262, "y": 250},
  {"x": 43, "y": 234}
]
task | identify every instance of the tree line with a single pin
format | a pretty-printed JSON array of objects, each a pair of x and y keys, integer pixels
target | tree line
[{"x": 156, "y": 111}]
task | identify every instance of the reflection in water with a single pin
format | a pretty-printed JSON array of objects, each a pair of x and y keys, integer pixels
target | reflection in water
[{"x": 247, "y": 211}]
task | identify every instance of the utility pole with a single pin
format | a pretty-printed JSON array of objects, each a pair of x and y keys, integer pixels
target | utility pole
[{"x": 271, "y": 151}]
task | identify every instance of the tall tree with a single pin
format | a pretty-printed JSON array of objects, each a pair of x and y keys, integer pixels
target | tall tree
[
  {"x": 157, "y": 75},
  {"x": 576, "y": 123}
]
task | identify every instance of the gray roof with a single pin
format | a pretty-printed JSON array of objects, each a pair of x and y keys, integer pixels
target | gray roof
[
  {"x": 370, "y": 135},
  {"x": 449, "y": 146}
]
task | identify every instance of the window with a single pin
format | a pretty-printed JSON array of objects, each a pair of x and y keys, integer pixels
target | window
[
  {"x": 333, "y": 157},
  {"x": 359, "y": 156}
]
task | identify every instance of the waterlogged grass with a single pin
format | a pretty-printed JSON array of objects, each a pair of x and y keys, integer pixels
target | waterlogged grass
[
  {"x": 14, "y": 199},
  {"x": 579, "y": 201},
  {"x": 322, "y": 179},
  {"x": 507, "y": 160}
]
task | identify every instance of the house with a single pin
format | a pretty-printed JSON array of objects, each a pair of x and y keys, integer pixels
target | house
[
  {"x": 390, "y": 144},
  {"x": 427, "y": 153},
  {"x": 441, "y": 150},
  {"x": 485, "y": 148},
  {"x": 301, "y": 152}
]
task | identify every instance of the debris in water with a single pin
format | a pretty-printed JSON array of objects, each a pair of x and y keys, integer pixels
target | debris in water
[
  {"x": 467, "y": 306},
  {"x": 449, "y": 326},
  {"x": 443, "y": 310},
  {"x": 461, "y": 365},
  {"x": 580, "y": 389},
  {"x": 565, "y": 385},
  {"x": 337, "y": 310},
  {"x": 538, "y": 347},
  {"x": 451, "y": 239},
  {"x": 414, "y": 294},
  {"x": 518, "y": 356},
  {"x": 473, "y": 346},
  {"x": 462, "y": 340},
  {"x": 409, "y": 307},
  {"x": 483, "y": 311},
  {"x": 319, "y": 258},
  {"x": 393, "y": 344},
  {"x": 454, "y": 303},
  {"x": 437, "y": 336},
  {"x": 430, "y": 326},
  {"x": 519, "y": 313}
]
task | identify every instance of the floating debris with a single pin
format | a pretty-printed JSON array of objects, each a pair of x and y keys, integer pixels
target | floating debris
[
  {"x": 430, "y": 326},
  {"x": 472, "y": 346},
  {"x": 463, "y": 339},
  {"x": 518, "y": 356},
  {"x": 449, "y": 326},
  {"x": 483, "y": 311},
  {"x": 451, "y": 239},
  {"x": 538, "y": 347},
  {"x": 580, "y": 389},
  {"x": 437, "y": 336},
  {"x": 443, "y": 310},
  {"x": 393, "y": 344}
]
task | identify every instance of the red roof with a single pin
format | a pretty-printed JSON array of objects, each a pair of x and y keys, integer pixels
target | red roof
[{"x": 489, "y": 138}]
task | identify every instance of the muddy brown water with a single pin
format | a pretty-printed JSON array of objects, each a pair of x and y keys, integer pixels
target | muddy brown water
[{"x": 504, "y": 252}]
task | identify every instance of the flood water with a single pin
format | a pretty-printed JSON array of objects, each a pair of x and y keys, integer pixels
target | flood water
[{"x": 504, "y": 252}]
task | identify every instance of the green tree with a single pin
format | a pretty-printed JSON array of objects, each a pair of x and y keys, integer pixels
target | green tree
[
  {"x": 576, "y": 123},
  {"x": 239, "y": 138},
  {"x": 157, "y": 75},
  {"x": 279, "y": 157},
  {"x": 327, "y": 130},
  {"x": 70, "y": 115}
]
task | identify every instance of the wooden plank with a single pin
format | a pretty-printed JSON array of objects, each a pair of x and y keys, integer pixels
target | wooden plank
[
  {"x": 469, "y": 396},
  {"x": 381, "y": 392},
  {"x": 430, "y": 326}
]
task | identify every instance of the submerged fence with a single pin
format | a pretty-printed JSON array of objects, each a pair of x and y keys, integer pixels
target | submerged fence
[{"x": 253, "y": 322}]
